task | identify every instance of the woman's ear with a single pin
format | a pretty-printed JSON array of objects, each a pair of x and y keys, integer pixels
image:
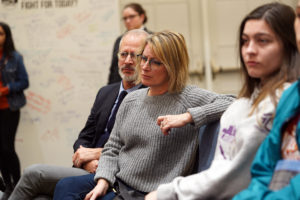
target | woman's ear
[{"x": 142, "y": 16}]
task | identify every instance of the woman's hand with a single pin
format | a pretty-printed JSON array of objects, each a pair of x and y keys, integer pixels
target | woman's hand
[
  {"x": 173, "y": 121},
  {"x": 100, "y": 190},
  {"x": 151, "y": 196}
]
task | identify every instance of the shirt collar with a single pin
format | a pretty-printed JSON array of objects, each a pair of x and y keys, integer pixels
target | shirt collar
[{"x": 130, "y": 89}]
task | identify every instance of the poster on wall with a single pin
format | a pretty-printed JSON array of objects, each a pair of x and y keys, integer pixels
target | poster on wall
[
  {"x": 66, "y": 46},
  {"x": 36, "y": 4}
]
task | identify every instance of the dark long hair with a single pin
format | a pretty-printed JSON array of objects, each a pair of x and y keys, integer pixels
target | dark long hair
[
  {"x": 139, "y": 9},
  {"x": 8, "y": 47},
  {"x": 280, "y": 18}
]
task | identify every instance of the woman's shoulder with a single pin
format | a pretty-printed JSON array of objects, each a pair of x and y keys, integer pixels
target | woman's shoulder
[
  {"x": 285, "y": 86},
  {"x": 192, "y": 89},
  {"x": 267, "y": 104},
  {"x": 136, "y": 94},
  {"x": 280, "y": 91},
  {"x": 16, "y": 55}
]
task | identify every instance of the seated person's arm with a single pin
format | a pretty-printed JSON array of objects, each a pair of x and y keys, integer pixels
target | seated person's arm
[
  {"x": 91, "y": 166},
  {"x": 99, "y": 190},
  {"x": 87, "y": 134},
  {"x": 84, "y": 155},
  {"x": 173, "y": 121}
]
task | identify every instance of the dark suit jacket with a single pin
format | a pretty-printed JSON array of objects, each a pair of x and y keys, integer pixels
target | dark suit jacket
[
  {"x": 98, "y": 117},
  {"x": 114, "y": 75},
  {"x": 97, "y": 120}
]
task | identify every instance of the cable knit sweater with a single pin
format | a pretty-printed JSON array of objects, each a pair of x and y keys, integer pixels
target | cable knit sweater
[
  {"x": 239, "y": 138},
  {"x": 139, "y": 154}
]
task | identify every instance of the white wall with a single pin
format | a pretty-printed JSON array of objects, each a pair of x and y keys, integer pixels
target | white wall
[
  {"x": 67, "y": 50},
  {"x": 224, "y": 17}
]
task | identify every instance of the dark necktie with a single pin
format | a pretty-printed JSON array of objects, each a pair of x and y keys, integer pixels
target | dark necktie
[
  {"x": 110, "y": 124},
  {"x": 112, "y": 119}
]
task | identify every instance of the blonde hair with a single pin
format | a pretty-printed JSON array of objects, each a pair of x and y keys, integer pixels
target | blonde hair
[{"x": 170, "y": 48}]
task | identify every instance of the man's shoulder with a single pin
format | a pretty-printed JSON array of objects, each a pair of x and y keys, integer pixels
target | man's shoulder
[
  {"x": 111, "y": 86},
  {"x": 107, "y": 89}
]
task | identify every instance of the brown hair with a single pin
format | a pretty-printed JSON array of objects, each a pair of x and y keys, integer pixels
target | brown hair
[
  {"x": 280, "y": 18},
  {"x": 8, "y": 47},
  {"x": 137, "y": 8}
]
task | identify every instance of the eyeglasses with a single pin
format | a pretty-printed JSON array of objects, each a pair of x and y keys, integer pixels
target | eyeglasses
[
  {"x": 152, "y": 62},
  {"x": 129, "y": 17},
  {"x": 124, "y": 55}
]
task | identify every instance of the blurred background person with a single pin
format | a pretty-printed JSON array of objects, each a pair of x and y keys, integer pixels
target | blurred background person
[
  {"x": 134, "y": 17},
  {"x": 13, "y": 80}
]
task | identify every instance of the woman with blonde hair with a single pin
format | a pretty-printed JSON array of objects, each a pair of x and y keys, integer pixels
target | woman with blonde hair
[
  {"x": 268, "y": 50},
  {"x": 137, "y": 157}
]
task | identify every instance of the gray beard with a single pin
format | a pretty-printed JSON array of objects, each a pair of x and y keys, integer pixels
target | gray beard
[{"x": 128, "y": 78}]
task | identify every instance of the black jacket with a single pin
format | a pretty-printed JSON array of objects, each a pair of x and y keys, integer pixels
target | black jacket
[{"x": 97, "y": 120}]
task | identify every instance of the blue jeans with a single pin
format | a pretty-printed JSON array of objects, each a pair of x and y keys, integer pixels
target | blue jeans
[{"x": 76, "y": 187}]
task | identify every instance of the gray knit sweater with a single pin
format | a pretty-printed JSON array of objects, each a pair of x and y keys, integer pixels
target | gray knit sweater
[{"x": 139, "y": 154}]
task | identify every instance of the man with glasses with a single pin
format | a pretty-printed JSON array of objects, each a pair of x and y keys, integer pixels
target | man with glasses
[
  {"x": 134, "y": 17},
  {"x": 40, "y": 179}
]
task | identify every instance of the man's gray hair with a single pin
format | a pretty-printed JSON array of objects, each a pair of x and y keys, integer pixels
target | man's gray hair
[{"x": 136, "y": 33}]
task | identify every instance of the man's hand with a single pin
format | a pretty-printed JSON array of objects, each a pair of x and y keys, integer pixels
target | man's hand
[
  {"x": 151, "y": 196},
  {"x": 84, "y": 155},
  {"x": 173, "y": 121},
  {"x": 91, "y": 166},
  {"x": 99, "y": 190}
]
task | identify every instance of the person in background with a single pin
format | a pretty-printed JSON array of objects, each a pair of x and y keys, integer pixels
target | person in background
[
  {"x": 134, "y": 17},
  {"x": 40, "y": 180},
  {"x": 137, "y": 157},
  {"x": 13, "y": 81},
  {"x": 276, "y": 167},
  {"x": 267, "y": 48}
]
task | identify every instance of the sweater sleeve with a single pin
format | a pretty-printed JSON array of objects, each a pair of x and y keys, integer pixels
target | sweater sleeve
[
  {"x": 206, "y": 106},
  {"x": 108, "y": 163},
  {"x": 213, "y": 183}
]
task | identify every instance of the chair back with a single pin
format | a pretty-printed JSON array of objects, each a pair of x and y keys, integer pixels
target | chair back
[{"x": 208, "y": 136}]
